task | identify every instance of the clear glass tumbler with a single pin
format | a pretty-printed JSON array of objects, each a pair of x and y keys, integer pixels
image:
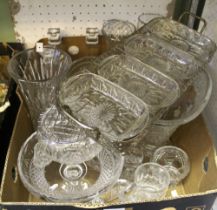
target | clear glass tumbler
[
  {"x": 37, "y": 74},
  {"x": 151, "y": 181}
]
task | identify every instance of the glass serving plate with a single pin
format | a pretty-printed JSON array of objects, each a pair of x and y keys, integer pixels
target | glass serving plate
[
  {"x": 154, "y": 88},
  {"x": 183, "y": 37},
  {"x": 95, "y": 102},
  {"x": 146, "y": 45},
  {"x": 63, "y": 140},
  {"x": 59, "y": 182}
]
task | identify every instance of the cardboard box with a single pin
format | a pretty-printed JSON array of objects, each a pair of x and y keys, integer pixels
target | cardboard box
[{"x": 197, "y": 192}]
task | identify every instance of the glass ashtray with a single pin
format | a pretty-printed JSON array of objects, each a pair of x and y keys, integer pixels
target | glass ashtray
[
  {"x": 144, "y": 45},
  {"x": 63, "y": 140},
  {"x": 59, "y": 182},
  {"x": 154, "y": 88},
  {"x": 95, "y": 102},
  {"x": 183, "y": 37}
]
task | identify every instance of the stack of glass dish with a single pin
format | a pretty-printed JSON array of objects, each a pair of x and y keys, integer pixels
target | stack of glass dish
[{"x": 103, "y": 123}]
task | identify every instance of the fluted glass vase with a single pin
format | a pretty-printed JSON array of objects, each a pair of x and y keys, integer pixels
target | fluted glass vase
[{"x": 37, "y": 74}]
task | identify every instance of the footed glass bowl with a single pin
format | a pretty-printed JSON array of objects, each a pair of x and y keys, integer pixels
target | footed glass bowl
[{"x": 59, "y": 182}]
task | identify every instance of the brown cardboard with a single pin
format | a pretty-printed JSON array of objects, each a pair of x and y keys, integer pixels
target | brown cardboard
[
  {"x": 192, "y": 137},
  {"x": 196, "y": 192}
]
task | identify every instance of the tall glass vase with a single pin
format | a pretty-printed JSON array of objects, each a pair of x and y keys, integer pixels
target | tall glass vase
[{"x": 37, "y": 75}]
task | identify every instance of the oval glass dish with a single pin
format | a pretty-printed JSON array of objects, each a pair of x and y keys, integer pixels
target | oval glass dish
[{"x": 95, "y": 102}]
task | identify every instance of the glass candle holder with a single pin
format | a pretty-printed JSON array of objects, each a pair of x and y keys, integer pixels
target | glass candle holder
[{"x": 37, "y": 74}]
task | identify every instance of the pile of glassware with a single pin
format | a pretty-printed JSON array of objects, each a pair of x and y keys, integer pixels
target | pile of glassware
[{"x": 103, "y": 124}]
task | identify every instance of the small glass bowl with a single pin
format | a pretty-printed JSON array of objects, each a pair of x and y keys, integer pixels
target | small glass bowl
[
  {"x": 175, "y": 160},
  {"x": 185, "y": 109},
  {"x": 115, "y": 30}
]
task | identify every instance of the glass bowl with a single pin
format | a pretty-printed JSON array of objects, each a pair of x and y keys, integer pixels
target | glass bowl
[
  {"x": 175, "y": 160},
  {"x": 115, "y": 30},
  {"x": 185, "y": 109},
  {"x": 58, "y": 182}
]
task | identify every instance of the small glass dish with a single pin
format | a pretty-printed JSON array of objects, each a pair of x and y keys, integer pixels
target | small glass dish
[
  {"x": 95, "y": 102},
  {"x": 115, "y": 30},
  {"x": 59, "y": 182},
  {"x": 145, "y": 45},
  {"x": 175, "y": 160},
  {"x": 183, "y": 37},
  {"x": 154, "y": 88},
  {"x": 64, "y": 140}
]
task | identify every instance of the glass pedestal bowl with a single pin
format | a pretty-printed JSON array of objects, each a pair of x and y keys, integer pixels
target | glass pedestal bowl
[{"x": 59, "y": 182}]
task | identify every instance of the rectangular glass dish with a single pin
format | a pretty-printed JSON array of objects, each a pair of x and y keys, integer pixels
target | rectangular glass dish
[
  {"x": 146, "y": 45},
  {"x": 183, "y": 37},
  {"x": 154, "y": 88},
  {"x": 95, "y": 102}
]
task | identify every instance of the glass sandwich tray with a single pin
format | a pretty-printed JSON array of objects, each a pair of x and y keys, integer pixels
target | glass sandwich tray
[
  {"x": 97, "y": 103},
  {"x": 182, "y": 37},
  {"x": 154, "y": 88},
  {"x": 145, "y": 45}
]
